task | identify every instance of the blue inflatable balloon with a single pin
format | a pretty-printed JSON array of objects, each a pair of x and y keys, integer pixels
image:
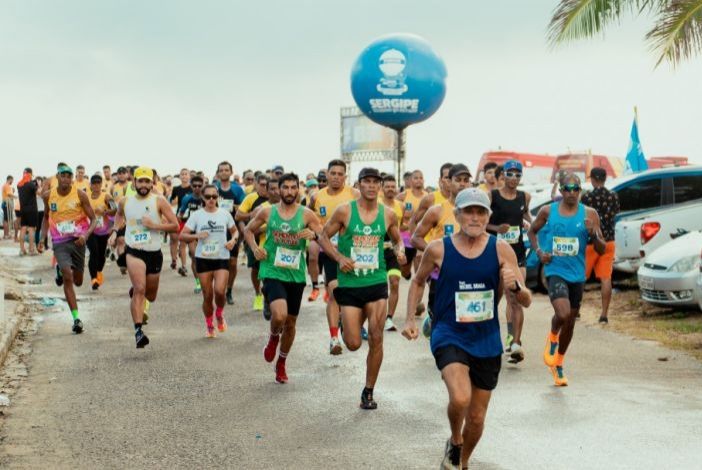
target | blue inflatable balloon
[{"x": 398, "y": 80}]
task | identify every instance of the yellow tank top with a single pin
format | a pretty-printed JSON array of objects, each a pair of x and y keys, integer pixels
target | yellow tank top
[
  {"x": 325, "y": 204},
  {"x": 67, "y": 219},
  {"x": 447, "y": 222},
  {"x": 438, "y": 197},
  {"x": 83, "y": 185},
  {"x": 412, "y": 202},
  {"x": 118, "y": 190},
  {"x": 99, "y": 206},
  {"x": 397, "y": 209}
]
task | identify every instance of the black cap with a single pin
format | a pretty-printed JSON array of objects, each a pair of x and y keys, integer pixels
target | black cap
[
  {"x": 459, "y": 169},
  {"x": 96, "y": 178},
  {"x": 321, "y": 175},
  {"x": 598, "y": 173},
  {"x": 369, "y": 173},
  {"x": 121, "y": 170}
]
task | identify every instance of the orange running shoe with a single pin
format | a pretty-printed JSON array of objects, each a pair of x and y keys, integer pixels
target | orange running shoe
[
  {"x": 221, "y": 324},
  {"x": 559, "y": 378},
  {"x": 313, "y": 295},
  {"x": 550, "y": 351},
  {"x": 100, "y": 278}
]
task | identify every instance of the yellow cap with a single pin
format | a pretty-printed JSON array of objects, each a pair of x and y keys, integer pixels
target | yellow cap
[{"x": 144, "y": 172}]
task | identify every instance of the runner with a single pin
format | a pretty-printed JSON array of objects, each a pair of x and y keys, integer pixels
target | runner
[
  {"x": 70, "y": 220},
  {"x": 243, "y": 215},
  {"x": 510, "y": 208},
  {"x": 209, "y": 227},
  {"x": 490, "y": 182},
  {"x": 474, "y": 268},
  {"x": 144, "y": 213},
  {"x": 432, "y": 199},
  {"x": 410, "y": 198},
  {"x": 118, "y": 191},
  {"x": 104, "y": 207},
  {"x": 324, "y": 203},
  {"x": 363, "y": 282},
  {"x": 106, "y": 178},
  {"x": 440, "y": 221},
  {"x": 570, "y": 226},
  {"x": 81, "y": 182},
  {"x": 231, "y": 195},
  {"x": 192, "y": 202},
  {"x": 288, "y": 226},
  {"x": 391, "y": 263},
  {"x": 178, "y": 248},
  {"x": 27, "y": 195}
]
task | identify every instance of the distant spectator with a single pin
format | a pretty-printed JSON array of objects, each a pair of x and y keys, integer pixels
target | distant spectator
[
  {"x": 606, "y": 203},
  {"x": 27, "y": 192},
  {"x": 8, "y": 204}
]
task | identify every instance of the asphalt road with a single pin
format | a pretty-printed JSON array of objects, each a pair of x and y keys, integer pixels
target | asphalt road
[{"x": 94, "y": 401}]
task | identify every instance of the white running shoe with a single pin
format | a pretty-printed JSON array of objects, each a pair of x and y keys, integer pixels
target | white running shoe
[
  {"x": 516, "y": 353},
  {"x": 389, "y": 325},
  {"x": 335, "y": 347}
]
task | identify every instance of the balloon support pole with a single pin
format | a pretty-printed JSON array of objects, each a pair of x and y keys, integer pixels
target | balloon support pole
[{"x": 400, "y": 153}]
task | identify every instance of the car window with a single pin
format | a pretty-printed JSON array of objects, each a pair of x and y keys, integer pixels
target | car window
[
  {"x": 640, "y": 195},
  {"x": 687, "y": 188}
]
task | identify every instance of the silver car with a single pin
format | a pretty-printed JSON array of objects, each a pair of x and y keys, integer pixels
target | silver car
[{"x": 670, "y": 276}]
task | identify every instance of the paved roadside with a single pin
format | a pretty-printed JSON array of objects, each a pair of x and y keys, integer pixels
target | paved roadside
[{"x": 94, "y": 401}]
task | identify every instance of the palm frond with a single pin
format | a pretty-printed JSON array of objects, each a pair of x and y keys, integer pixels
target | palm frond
[
  {"x": 677, "y": 34},
  {"x": 576, "y": 19}
]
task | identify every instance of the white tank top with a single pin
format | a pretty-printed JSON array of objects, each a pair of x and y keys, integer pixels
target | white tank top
[{"x": 136, "y": 235}]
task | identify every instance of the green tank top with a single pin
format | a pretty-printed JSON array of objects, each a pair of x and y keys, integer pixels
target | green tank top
[
  {"x": 286, "y": 250},
  {"x": 364, "y": 245}
]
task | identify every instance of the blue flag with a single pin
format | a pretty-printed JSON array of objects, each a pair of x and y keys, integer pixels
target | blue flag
[{"x": 635, "y": 159}]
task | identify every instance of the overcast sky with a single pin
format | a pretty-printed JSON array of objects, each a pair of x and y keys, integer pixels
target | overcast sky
[{"x": 184, "y": 83}]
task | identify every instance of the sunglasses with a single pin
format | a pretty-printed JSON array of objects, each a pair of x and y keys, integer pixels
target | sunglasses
[
  {"x": 513, "y": 174},
  {"x": 570, "y": 188},
  {"x": 197, "y": 186},
  {"x": 209, "y": 197}
]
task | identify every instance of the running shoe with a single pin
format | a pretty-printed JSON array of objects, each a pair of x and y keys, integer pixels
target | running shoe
[
  {"x": 280, "y": 376},
  {"x": 603, "y": 320},
  {"x": 100, "y": 278},
  {"x": 389, "y": 325},
  {"x": 452, "y": 456},
  {"x": 230, "y": 299},
  {"x": 123, "y": 270},
  {"x": 77, "y": 326},
  {"x": 367, "y": 402},
  {"x": 59, "y": 276},
  {"x": 141, "y": 339},
  {"x": 173, "y": 265},
  {"x": 364, "y": 333},
  {"x": 516, "y": 353},
  {"x": 313, "y": 295},
  {"x": 335, "y": 347},
  {"x": 221, "y": 324},
  {"x": 509, "y": 339},
  {"x": 94, "y": 284},
  {"x": 559, "y": 378},
  {"x": 258, "y": 302},
  {"x": 426, "y": 327},
  {"x": 183, "y": 271},
  {"x": 420, "y": 309},
  {"x": 210, "y": 332},
  {"x": 271, "y": 348},
  {"x": 198, "y": 287},
  {"x": 326, "y": 296},
  {"x": 550, "y": 353}
]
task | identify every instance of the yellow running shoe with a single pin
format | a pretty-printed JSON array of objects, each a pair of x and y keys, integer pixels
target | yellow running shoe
[
  {"x": 258, "y": 302},
  {"x": 559, "y": 378},
  {"x": 550, "y": 351}
]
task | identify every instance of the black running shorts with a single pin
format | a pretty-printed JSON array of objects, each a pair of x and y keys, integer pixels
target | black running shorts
[
  {"x": 483, "y": 371},
  {"x": 204, "y": 265},
  {"x": 291, "y": 292},
  {"x": 559, "y": 288},
  {"x": 359, "y": 296},
  {"x": 152, "y": 259}
]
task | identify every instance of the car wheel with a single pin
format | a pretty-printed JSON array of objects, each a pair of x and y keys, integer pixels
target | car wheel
[{"x": 543, "y": 282}]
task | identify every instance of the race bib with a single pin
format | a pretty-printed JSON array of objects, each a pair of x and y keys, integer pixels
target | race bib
[
  {"x": 67, "y": 227},
  {"x": 287, "y": 258},
  {"x": 210, "y": 249},
  {"x": 365, "y": 257},
  {"x": 565, "y": 246},
  {"x": 226, "y": 204},
  {"x": 511, "y": 236},
  {"x": 475, "y": 306},
  {"x": 138, "y": 236},
  {"x": 335, "y": 239}
]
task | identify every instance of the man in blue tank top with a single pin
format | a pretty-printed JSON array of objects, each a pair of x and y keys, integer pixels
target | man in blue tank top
[
  {"x": 474, "y": 270},
  {"x": 570, "y": 226}
]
